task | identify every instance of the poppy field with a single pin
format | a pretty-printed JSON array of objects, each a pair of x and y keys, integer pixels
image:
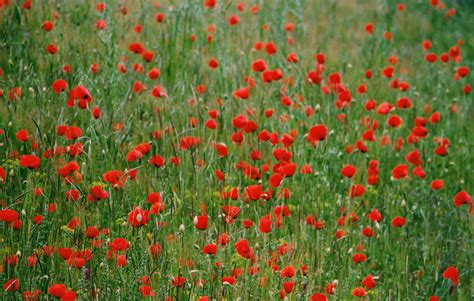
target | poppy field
[{"x": 236, "y": 150}]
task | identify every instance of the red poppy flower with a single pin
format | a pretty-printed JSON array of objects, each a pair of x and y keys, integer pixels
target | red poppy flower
[
  {"x": 146, "y": 291},
  {"x": 374, "y": 216},
  {"x": 157, "y": 161},
  {"x": 51, "y": 49},
  {"x": 318, "y": 297},
  {"x": 189, "y": 142},
  {"x": 243, "y": 249},
  {"x": 288, "y": 272},
  {"x": 400, "y": 171},
  {"x": 241, "y": 93},
  {"x": 265, "y": 225},
  {"x": 201, "y": 222},
  {"x": 254, "y": 192},
  {"x": 359, "y": 292},
  {"x": 22, "y": 135},
  {"x": 369, "y": 28},
  {"x": 368, "y": 232},
  {"x": 452, "y": 274},
  {"x": 368, "y": 282},
  {"x": 461, "y": 198},
  {"x": 48, "y": 25},
  {"x": 394, "y": 121},
  {"x": 356, "y": 190},
  {"x": 414, "y": 157},
  {"x": 317, "y": 133},
  {"x": 59, "y": 86},
  {"x": 57, "y": 290},
  {"x": 259, "y": 65},
  {"x": 398, "y": 221},
  {"x": 121, "y": 260},
  {"x": 97, "y": 193},
  {"x": 462, "y": 71},
  {"x": 119, "y": 244},
  {"x": 158, "y": 92},
  {"x": 437, "y": 184},
  {"x": 431, "y": 57},
  {"x": 359, "y": 257},
  {"x": 210, "y": 249},
  {"x": 3, "y": 175},
  {"x": 12, "y": 285},
  {"x": 178, "y": 281},
  {"x": 270, "y": 48},
  {"x": 31, "y": 295},
  {"x": 138, "y": 217},
  {"x": 209, "y": 3},
  {"x": 30, "y": 161},
  {"x": 348, "y": 170}
]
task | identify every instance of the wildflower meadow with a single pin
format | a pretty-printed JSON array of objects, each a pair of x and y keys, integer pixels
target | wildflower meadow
[{"x": 236, "y": 150}]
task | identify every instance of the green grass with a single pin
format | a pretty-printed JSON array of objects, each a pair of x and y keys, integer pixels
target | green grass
[{"x": 408, "y": 261}]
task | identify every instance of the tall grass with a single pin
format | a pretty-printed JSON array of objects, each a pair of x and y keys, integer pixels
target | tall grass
[{"x": 407, "y": 262}]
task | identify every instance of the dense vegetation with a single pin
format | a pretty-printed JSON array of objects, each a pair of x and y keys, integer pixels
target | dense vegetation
[{"x": 211, "y": 150}]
